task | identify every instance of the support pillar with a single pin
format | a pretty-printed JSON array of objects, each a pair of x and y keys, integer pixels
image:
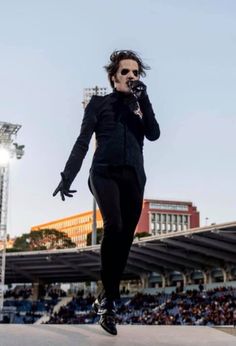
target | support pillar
[
  {"x": 38, "y": 290},
  {"x": 224, "y": 274},
  {"x": 163, "y": 284},
  {"x": 35, "y": 290},
  {"x": 207, "y": 277},
  {"x": 145, "y": 280}
]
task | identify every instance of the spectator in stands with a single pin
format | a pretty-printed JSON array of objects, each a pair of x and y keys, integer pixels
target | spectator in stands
[{"x": 201, "y": 287}]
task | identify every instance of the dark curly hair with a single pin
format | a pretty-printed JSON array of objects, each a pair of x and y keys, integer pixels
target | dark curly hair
[{"x": 119, "y": 55}]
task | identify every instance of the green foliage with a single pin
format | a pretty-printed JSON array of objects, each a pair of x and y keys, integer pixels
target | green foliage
[
  {"x": 142, "y": 235},
  {"x": 100, "y": 234},
  {"x": 99, "y": 237},
  {"x": 45, "y": 239}
]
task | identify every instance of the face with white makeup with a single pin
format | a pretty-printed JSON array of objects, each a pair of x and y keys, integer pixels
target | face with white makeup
[{"x": 128, "y": 70}]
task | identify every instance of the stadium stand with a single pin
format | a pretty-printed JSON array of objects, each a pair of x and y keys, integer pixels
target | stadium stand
[{"x": 206, "y": 308}]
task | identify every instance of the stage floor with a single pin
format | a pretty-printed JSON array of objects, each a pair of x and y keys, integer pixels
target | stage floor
[{"x": 128, "y": 335}]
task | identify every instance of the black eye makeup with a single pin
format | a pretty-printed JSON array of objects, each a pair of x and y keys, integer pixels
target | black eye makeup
[{"x": 125, "y": 71}]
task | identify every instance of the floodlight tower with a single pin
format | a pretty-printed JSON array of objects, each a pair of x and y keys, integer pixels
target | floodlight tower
[
  {"x": 8, "y": 149},
  {"x": 88, "y": 93}
]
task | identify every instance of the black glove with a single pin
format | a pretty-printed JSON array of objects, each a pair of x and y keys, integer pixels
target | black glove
[
  {"x": 138, "y": 88},
  {"x": 64, "y": 187}
]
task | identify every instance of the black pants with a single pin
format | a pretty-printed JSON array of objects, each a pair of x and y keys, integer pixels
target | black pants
[{"x": 119, "y": 198}]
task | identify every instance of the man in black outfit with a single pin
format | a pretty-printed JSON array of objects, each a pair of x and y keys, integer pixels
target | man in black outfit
[{"x": 117, "y": 178}]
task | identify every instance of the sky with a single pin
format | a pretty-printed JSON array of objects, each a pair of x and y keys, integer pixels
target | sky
[{"x": 50, "y": 50}]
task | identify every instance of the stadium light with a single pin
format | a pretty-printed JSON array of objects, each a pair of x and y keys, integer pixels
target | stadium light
[
  {"x": 88, "y": 93},
  {"x": 8, "y": 150},
  {"x": 4, "y": 156}
]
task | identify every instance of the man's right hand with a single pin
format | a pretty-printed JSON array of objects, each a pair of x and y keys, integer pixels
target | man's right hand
[
  {"x": 63, "y": 188},
  {"x": 138, "y": 88}
]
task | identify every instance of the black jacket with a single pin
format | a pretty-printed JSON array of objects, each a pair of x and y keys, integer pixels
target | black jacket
[{"x": 119, "y": 134}]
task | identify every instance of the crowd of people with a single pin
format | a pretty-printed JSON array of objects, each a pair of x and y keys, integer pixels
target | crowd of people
[
  {"x": 193, "y": 307},
  {"x": 25, "y": 292},
  {"x": 18, "y": 292},
  {"x": 27, "y": 309}
]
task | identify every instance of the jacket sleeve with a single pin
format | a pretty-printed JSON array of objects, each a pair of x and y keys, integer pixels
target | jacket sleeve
[
  {"x": 151, "y": 126},
  {"x": 81, "y": 145}
]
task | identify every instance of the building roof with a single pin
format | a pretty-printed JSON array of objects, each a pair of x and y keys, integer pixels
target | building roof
[
  {"x": 167, "y": 201},
  {"x": 67, "y": 218},
  {"x": 201, "y": 248}
]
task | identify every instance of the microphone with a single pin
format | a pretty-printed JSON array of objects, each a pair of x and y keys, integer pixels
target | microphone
[
  {"x": 130, "y": 84},
  {"x": 136, "y": 87}
]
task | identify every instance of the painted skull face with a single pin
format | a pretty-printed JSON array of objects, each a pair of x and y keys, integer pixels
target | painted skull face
[{"x": 128, "y": 70}]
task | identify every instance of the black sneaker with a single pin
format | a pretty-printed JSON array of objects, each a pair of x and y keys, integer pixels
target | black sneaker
[
  {"x": 106, "y": 306},
  {"x": 108, "y": 323},
  {"x": 107, "y": 310},
  {"x": 97, "y": 302},
  {"x": 96, "y": 305}
]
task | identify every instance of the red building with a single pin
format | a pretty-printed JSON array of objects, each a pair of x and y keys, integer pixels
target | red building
[{"x": 163, "y": 216}]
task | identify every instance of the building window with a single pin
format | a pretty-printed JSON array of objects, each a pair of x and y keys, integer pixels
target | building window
[{"x": 152, "y": 217}]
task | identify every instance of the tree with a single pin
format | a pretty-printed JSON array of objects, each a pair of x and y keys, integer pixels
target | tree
[
  {"x": 99, "y": 236},
  {"x": 45, "y": 239},
  {"x": 141, "y": 235}
]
